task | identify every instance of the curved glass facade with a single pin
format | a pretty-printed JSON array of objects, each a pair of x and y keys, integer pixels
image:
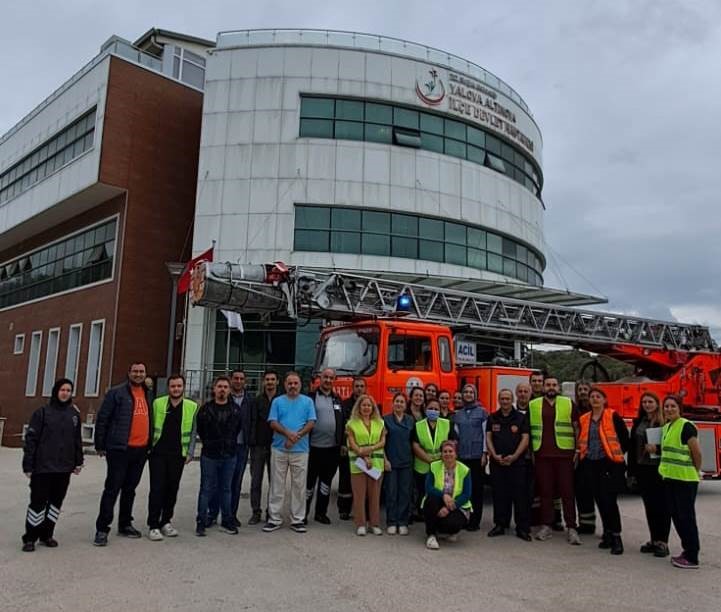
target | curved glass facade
[
  {"x": 338, "y": 229},
  {"x": 354, "y": 119}
]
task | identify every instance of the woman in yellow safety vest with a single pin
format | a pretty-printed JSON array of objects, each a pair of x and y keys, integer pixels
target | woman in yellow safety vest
[
  {"x": 447, "y": 503},
  {"x": 366, "y": 439},
  {"x": 679, "y": 467},
  {"x": 426, "y": 439},
  {"x": 602, "y": 442}
]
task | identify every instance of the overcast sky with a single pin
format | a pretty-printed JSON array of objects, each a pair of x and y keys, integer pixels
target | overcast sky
[{"x": 626, "y": 95}]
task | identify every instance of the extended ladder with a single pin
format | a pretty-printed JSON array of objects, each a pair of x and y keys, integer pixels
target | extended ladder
[{"x": 300, "y": 292}]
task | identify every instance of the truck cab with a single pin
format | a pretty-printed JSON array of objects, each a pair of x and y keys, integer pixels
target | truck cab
[{"x": 392, "y": 354}]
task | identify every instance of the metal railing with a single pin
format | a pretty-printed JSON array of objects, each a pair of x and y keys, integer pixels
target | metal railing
[{"x": 371, "y": 42}]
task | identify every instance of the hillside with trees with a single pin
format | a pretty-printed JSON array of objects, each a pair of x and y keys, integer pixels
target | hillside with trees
[{"x": 566, "y": 365}]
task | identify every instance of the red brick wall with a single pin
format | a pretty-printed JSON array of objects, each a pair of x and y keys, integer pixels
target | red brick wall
[{"x": 151, "y": 140}]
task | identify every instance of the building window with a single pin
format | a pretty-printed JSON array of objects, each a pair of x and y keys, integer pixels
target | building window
[
  {"x": 352, "y": 119},
  {"x": 62, "y": 148},
  {"x": 189, "y": 67},
  {"x": 370, "y": 232},
  {"x": 72, "y": 358},
  {"x": 19, "y": 344},
  {"x": 31, "y": 382},
  {"x": 80, "y": 259},
  {"x": 95, "y": 358},
  {"x": 51, "y": 360}
]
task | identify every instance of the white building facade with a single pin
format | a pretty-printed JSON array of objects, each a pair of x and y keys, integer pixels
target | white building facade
[{"x": 333, "y": 149}]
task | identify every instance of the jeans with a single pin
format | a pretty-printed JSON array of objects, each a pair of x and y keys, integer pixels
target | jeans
[
  {"x": 125, "y": 469},
  {"x": 241, "y": 460},
  {"x": 216, "y": 477},
  {"x": 259, "y": 463},
  {"x": 397, "y": 487}
]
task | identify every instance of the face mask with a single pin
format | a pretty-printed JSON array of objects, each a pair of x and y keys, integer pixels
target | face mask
[{"x": 432, "y": 415}]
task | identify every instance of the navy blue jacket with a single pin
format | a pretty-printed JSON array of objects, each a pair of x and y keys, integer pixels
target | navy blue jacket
[
  {"x": 398, "y": 441},
  {"x": 246, "y": 411},
  {"x": 112, "y": 423}
]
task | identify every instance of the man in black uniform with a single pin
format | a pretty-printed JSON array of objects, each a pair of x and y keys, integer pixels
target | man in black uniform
[
  {"x": 345, "y": 494},
  {"x": 507, "y": 438},
  {"x": 584, "y": 494}
]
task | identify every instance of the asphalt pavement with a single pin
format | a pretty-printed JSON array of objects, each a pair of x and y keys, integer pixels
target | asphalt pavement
[{"x": 329, "y": 567}]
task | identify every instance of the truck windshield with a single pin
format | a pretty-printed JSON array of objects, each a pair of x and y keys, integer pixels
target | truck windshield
[{"x": 349, "y": 351}]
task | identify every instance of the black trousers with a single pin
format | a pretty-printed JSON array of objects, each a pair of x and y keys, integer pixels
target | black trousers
[
  {"x": 322, "y": 466},
  {"x": 345, "y": 492},
  {"x": 259, "y": 463},
  {"x": 47, "y": 492},
  {"x": 125, "y": 469},
  {"x": 650, "y": 486},
  {"x": 681, "y": 501},
  {"x": 510, "y": 492},
  {"x": 450, "y": 524},
  {"x": 603, "y": 479},
  {"x": 478, "y": 482},
  {"x": 417, "y": 494},
  {"x": 584, "y": 503},
  {"x": 165, "y": 474}
]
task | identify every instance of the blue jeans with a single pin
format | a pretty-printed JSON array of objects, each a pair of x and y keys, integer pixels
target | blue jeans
[
  {"x": 215, "y": 481},
  {"x": 397, "y": 487},
  {"x": 241, "y": 460}
]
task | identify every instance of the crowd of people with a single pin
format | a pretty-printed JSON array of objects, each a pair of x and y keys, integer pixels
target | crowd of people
[{"x": 550, "y": 460}]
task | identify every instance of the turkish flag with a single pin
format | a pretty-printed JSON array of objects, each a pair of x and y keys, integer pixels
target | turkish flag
[{"x": 184, "y": 280}]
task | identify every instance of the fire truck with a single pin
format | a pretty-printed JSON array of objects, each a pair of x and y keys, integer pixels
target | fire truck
[{"x": 398, "y": 335}]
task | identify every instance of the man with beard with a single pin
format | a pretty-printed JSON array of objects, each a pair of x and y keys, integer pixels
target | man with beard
[{"x": 554, "y": 426}]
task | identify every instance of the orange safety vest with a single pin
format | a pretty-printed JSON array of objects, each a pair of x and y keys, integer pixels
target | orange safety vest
[{"x": 607, "y": 433}]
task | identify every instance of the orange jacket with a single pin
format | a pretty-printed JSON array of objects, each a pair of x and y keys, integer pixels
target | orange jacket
[{"x": 607, "y": 433}]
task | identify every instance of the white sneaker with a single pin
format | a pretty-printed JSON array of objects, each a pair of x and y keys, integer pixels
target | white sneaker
[
  {"x": 544, "y": 533},
  {"x": 377, "y": 531},
  {"x": 403, "y": 530},
  {"x": 392, "y": 530},
  {"x": 361, "y": 531},
  {"x": 453, "y": 537},
  {"x": 573, "y": 539},
  {"x": 169, "y": 531},
  {"x": 432, "y": 543},
  {"x": 155, "y": 535}
]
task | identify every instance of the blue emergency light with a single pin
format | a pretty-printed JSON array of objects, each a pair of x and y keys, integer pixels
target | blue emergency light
[{"x": 403, "y": 303}]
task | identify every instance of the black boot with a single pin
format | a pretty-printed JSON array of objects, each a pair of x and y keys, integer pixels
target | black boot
[
  {"x": 606, "y": 540},
  {"x": 616, "y": 545}
]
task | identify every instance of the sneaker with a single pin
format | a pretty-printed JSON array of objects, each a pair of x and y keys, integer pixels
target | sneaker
[
  {"x": 154, "y": 535},
  {"x": 255, "y": 519},
  {"x": 298, "y": 527},
  {"x": 572, "y": 537},
  {"x": 169, "y": 531},
  {"x": 200, "y": 530},
  {"x": 229, "y": 527},
  {"x": 101, "y": 538},
  {"x": 361, "y": 531},
  {"x": 322, "y": 519},
  {"x": 432, "y": 543},
  {"x": 28, "y": 546},
  {"x": 683, "y": 563},
  {"x": 403, "y": 530},
  {"x": 268, "y": 527},
  {"x": 129, "y": 532},
  {"x": 50, "y": 543},
  {"x": 392, "y": 530},
  {"x": 452, "y": 538},
  {"x": 377, "y": 531},
  {"x": 544, "y": 533}
]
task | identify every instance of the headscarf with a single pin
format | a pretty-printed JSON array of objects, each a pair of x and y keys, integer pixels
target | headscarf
[
  {"x": 56, "y": 388},
  {"x": 473, "y": 403}
]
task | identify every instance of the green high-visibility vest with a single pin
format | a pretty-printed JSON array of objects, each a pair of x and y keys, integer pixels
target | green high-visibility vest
[
  {"x": 430, "y": 441},
  {"x": 676, "y": 461},
  {"x": 563, "y": 426},
  {"x": 160, "y": 409},
  {"x": 363, "y": 437},
  {"x": 438, "y": 469}
]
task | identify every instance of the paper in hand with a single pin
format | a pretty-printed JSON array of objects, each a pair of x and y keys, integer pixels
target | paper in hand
[{"x": 374, "y": 473}]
